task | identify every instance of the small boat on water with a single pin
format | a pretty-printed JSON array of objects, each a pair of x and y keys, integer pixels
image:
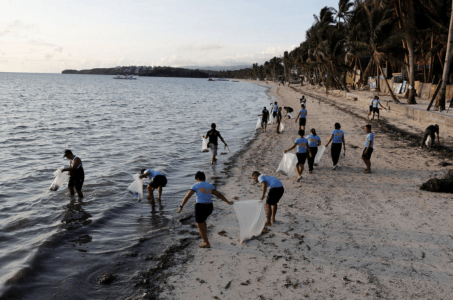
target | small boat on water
[
  {"x": 129, "y": 77},
  {"x": 222, "y": 79}
]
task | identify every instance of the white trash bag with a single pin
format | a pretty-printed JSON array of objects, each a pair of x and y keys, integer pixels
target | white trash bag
[
  {"x": 251, "y": 217},
  {"x": 291, "y": 115},
  {"x": 60, "y": 179},
  {"x": 204, "y": 145},
  {"x": 258, "y": 124},
  {"x": 271, "y": 119},
  {"x": 288, "y": 164},
  {"x": 318, "y": 156},
  {"x": 428, "y": 141},
  {"x": 282, "y": 127},
  {"x": 137, "y": 187}
]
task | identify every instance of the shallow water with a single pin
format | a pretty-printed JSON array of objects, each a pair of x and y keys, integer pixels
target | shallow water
[{"x": 55, "y": 245}]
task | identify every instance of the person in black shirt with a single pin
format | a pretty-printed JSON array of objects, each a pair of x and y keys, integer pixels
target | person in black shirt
[
  {"x": 264, "y": 118},
  {"x": 431, "y": 131},
  {"x": 76, "y": 173},
  {"x": 278, "y": 118},
  {"x": 213, "y": 136}
]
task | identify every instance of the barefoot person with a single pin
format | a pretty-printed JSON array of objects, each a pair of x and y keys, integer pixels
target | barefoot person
[
  {"x": 337, "y": 138},
  {"x": 158, "y": 181},
  {"x": 203, "y": 207},
  {"x": 275, "y": 194},
  {"x": 264, "y": 118},
  {"x": 302, "y": 148},
  {"x": 371, "y": 108},
  {"x": 274, "y": 109},
  {"x": 213, "y": 135},
  {"x": 302, "y": 116},
  {"x": 76, "y": 173},
  {"x": 313, "y": 142},
  {"x": 366, "y": 155},
  {"x": 431, "y": 131},
  {"x": 376, "y": 104}
]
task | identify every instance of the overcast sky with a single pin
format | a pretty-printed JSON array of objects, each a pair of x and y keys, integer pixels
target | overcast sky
[{"x": 49, "y": 36}]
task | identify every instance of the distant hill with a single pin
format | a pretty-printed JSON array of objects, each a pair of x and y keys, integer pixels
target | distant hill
[{"x": 219, "y": 68}]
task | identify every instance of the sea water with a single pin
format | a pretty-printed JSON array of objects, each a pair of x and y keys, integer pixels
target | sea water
[{"x": 54, "y": 245}]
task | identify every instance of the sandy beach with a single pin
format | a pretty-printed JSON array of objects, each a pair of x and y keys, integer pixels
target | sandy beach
[{"x": 339, "y": 234}]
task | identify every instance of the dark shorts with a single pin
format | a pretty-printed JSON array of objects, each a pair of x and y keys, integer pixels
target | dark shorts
[
  {"x": 302, "y": 121},
  {"x": 76, "y": 182},
  {"x": 371, "y": 108},
  {"x": 376, "y": 110},
  {"x": 274, "y": 195},
  {"x": 368, "y": 155},
  {"x": 202, "y": 211},
  {"x": 264, "y": 122},
  {"x": 274, "y": 114},
  {"x": 158, "y": 181},
  {"x": 301, "y": 158}
]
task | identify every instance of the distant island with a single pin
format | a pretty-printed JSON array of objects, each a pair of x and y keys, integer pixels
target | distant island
[{"x": 148, "y": 71}]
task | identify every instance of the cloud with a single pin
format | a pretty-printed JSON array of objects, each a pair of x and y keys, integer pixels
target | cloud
[
  {"x": 15, "y": 27},
  {"x": 217, "y": 45}
]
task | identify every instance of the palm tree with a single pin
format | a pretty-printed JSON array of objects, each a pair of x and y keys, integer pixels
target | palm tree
[{"x": 443, "y": 88}]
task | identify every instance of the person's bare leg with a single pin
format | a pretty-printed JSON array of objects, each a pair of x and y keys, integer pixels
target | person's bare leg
[
  {"x": 159, "y": 193},
  {"x": 274, "y": 212},
  {"x": 378, "y": 116},
  {"x": 150, "y": 194},
  {"x": 79, "y": 193},
  {"x": 372, "y": 118},
  {"x": 202, "y": 229},
  {"x": 268, "y": 215},
  {"x": 71, "y": 191},
  {"x": 368, "y": 115},
  {"x": 298, "y": 172},
  {"x": 278, "y": 125},
  {"x": 367, "y": 163}
]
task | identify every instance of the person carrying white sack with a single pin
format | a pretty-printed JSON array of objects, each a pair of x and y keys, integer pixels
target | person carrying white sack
[
  {"x": 302, "y": 148},
  {"x": 313, "y": 142},
  {"x": 276, "y": 192},
  {"x": 158, "y": 181},
  {"x": 76, "y": 173},
  {"x": 203, "y": 207}
]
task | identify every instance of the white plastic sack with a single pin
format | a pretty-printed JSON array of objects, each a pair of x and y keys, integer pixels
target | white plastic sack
[
  {"x": 288, "y": 164},
  {"x": 137, "y": 187},
  {"x": 60, "y": 179},
  {"x": 291, "y": 115},
  {"x": 428, "y": 140},
  {"x": 251, "y": 217},
  {"x": 282, "y": 127},
  {"x": 318, "y": 156},
  {"x": 258, "y": 124},
  {"x": 271, "y": 119},
  {"x": 204, "y": 145}
]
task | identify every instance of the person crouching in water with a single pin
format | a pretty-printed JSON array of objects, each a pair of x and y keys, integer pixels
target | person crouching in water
[
  {"x": 337, "y": 138},
  {"x": 76, "y": 173},
  {"x": 203, "y": 207},
  {"x": 366, "y": 155},
  {"x": 158, "y": 181},
  {"x": 273, "y": 197},
  {"x": 313, "y": 142},
  {"x": 302, "y": 146},
  {"x": 214, "y": 135}
]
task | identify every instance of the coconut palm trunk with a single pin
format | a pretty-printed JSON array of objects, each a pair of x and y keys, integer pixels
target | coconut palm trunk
[
  {"x": 443, "y": 89},
  {"x": 388, "y": 86}
]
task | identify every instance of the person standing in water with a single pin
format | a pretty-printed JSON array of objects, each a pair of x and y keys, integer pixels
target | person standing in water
[
  {"x": 302, "y": 148},
  {"x": 273, "y": 197},
  {"x": 158, "y": 181},
  {"x": 214, "y": 135},
  {"x": 76, "y": 173},
  {"x": 302, "y": 116},
  {"x": 337, "y": 138},
  {"x": 264, "y": 118},
  {"x": 313, "y": 142},
  {"x": 203, "y": 206},
  {"x": 366, "y": 155}
]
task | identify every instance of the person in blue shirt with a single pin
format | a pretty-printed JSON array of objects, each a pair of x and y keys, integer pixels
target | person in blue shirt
[
  {"x": 302, "y": 148},
  {"x": 203, "y": 206},
  {"x": 371, "y": 107},
  {"x": 366, "y": 155},
  {"x": 376, "y": 103},
  {"x": 158, "y": 181},
  {"x": 273, "y": 197},
  {"x": 274, "y": 109},
  {"x": 302, "y": 116},
  {"x": 313, "y": 142},
  {"x": 337, "y": 138}
]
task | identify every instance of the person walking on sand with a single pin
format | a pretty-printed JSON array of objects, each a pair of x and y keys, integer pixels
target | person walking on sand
[
  {"x": 431, "y": 131},
  {"x": 366, "y": 155},
  {"x": 76, "y": 173},
  {"x": 371, "y": 107},
  {"x": 302, "y": 148},
  {"x": 376, "y": 104},
  {"x": 313, "y": 142},
  {"x": 274, "y": 109},
  {"x": 264, "y": 118},
  {"x": 273, "y": 197},
  {"x": 158, "y": 181},
  {"x": 302, "y": 116},
  {"x": 337, "y": 138},
  {"x": 203, "y": 206},
  {"x": 214, "y": 135},
  {"x": 303, "y": 100},
  {"x": 279, "y": 119}
]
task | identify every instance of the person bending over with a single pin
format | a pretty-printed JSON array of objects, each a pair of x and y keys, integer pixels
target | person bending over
[
  {"x": 76, "y": 173},
  {"x": 302, "y": 116},
  {"x": 264, "y": 118},
  {"x": 302, "y": 146},
  {"x": 273, "y": 197},
  {"x": 431, "y": 131},
  {"x": 337, "y": 138},
  {"x": 203, "y": 206},
  {"x": 158, "y": 181},
  {"x": 214, "y": 135},
  {"x": 366, "y": 155}
]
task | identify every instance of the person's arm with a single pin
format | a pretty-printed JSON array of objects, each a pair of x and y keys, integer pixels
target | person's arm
[
  {"x": 145, "y": 174},
  {"x": 344, "y": 144},
  {"x": 264, "y": 190},
  {"x": 184, "y": 201},
  {"x": 369, "y": 146},
  {"x": 309, "y": 150},
  {"x": 292, "y": 147},
  {"x": 74, "y": 166},
  {"x": 298, "y": 115},
  {"x": 319, "y": 143},
  {"x": 221, "y": 138},
  {"x": 331, "y": 138},
  {"x": 221, "y": 197},
  {"x": 382, "y": 106}
]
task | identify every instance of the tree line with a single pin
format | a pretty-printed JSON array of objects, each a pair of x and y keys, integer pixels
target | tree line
[{"x": 148, "y": 71}]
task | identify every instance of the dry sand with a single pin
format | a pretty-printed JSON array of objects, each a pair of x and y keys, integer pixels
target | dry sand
[{"x": 339, "y": 234}]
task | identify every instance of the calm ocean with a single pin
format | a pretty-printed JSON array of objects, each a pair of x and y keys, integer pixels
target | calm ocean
[{"x": 55, "y": 245}]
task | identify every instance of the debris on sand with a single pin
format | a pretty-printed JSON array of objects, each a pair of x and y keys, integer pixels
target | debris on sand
[{"x": 436, "y": 185}]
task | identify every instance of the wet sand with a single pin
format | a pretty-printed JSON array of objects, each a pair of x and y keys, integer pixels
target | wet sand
[{"x": 339, "y": 234}]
